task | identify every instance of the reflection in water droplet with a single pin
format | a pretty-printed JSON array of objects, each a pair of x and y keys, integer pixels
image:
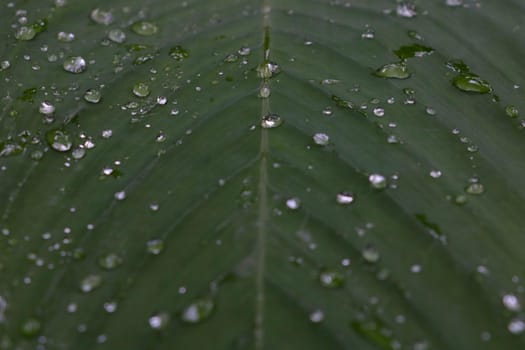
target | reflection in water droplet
[
  {"x": 331, "y": 279},
  {"x": 90, "y": 283},
  {"x": 155, "y": 246},
  {"x": 271, "y": 121},
  {"x": 93, "y": 96},
  {"x": 110, "y": 261},
  {"x": 159, "y": 320},
  {"x": 59, "y": 140},
  {"x": 393, "y": 71},
  {"x": 198, "y": 311},
  {"x": 321, "y": 139},
  {"x": 145, "y": 28},
  {"x": 377, "y": 181},
  {"x": 101, "y": 16},
  {"x": 345, "y": 198},
  {"x": 75, "y": 64},
  {"x": 293, "y": 203}
]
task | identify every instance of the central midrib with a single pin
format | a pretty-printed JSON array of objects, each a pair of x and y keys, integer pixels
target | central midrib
[{"x": 263, "y": 213}]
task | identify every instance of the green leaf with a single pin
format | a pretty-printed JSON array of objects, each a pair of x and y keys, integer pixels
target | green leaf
[{"x": 262, "y": 174}]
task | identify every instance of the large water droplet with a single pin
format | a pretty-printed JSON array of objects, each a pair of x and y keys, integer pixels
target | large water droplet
[
  {"x": 141, "y": 89},
  {"x": 377, "y": 181},
  {"x": 101, "y": 16},
  {"x": 293, "y": 203},
  {"x": 321, "y": 139},
  {"x": 75, "y": 64},
  {"x": 110, "y": 261},
  {"x": 331, "y": 279},
  {"x": 345, "y": 198},
  {"x": 25, "y": 33},
  {"x": 178, "y": 53},
  {"x": 393, "y": 71},
  {"x": 92, "y": 96},
  {"x": 516, "y": 326},
  {"x": 59, "y": 140},
  {"x": 406, "y": 10},
  {"x": 145, "y": 28},
  {"x": 271, "y": 121},
  {"x": 471, "y": 83},
  {"x": 198, "y": 311},
  {"x": 90, "y": 283}
]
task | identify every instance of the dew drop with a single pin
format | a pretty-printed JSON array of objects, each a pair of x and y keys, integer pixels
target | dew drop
[
  {"x": 377, "y": 181},
  {"x": 159, "y": 321},
  {"x": 331, "y": 279},
  {"x": 327, "y": 111},
  {"x": 4, "y": 65},
  {"x": 120, "y": 196},
  {"x": 46, "y": 108},
  {"x": 230, "y": 58},
  {"x": 141, "y": 89},
  {"x": 345, "y": 198},
  {"x": 264, "y": 91},
  {"x": 268, "y": 69},
  {"x": 198, "y": 311},
  {"x": 435, "y": 174},
  {"x": 59, "y": 140},
  {"x": 75, "y": 64},
  {"x": 101, "y": 16},
  {"x": 370, "y": 254},
  {"x": 454, "y": 3},
  {"x": 475, "y": 188},
  {"x": 110, "y": 261},
  {"x": 25, "y": 33},
  {"x": 110, "y": 307},
  {"x": 244, "y": 51},
  {"x": 379, "y": 112},
  {"x": 145, "y": 28},
  {"x": 90, "y": 283},
  {"x": 406, "y": 10},
  {"x": 516, "y": 326},
  {"x": 321, "y": 139},
  {"x": 430, "y": 111},
  {"x": 317, "y": 316},
  {"x": 393, "y": 71},
  {"x": 117, "y": 35},
  {"x": 155, "y": 246},
  {"x": 178, "y": 53},
  {"x": 512, "y": 111},
  {"x": 271, "y": 121},
  {"x": 293, "y": 203},
  {"x": 78, "y": 153},
  {"x": 368, "y": 33},
  {"x": 471, "y": 83},
  {"x": 93, "y": 96},
  {"x": 511, "y": 302}
]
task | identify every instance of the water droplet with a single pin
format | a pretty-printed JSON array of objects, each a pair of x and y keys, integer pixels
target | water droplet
[
  {"x": 321, "y": 139},
  {"x": 59, "y": 140},
  {"x": 406, "y": 10},
  {"x": 90, "y": 283},
  {"x": 117, "y": 35},
  {"x": 414, "y": 50},
  {"x": 345, "y": 198},
  {"x": 110, "y": 306},
  {"x": 379, "y": 112},
  {"x": 141, "y": 89},
  {"x": 475, "y": 188},
  {"x": 78, "y": 153},
  {"x": 178, "y": 53},
  {"x": 31, "y": 327},
  {"x": 393, "y": 71},
  {"x": 268, "y": 70},
  {"x": 368, "y": 33},
  {"x": 110, "y": 261},
  {"x": 101, "y": 16},
  {"x": 435, "y": 173},
  {"x": 331, "y": 279},
  {"x": 46, "y": 108},
  {"x": 93, "y": 96},
  {"x": 159, "y": 320},
  {"x": 327, "y": 111},
  {"x": 25, "y": 33},
  {"x": 430, "y": 111},
  {"x": 377, "y": 181},
  {"x": 4, "y": 65},
  {"x": 471, "y": 83},
  {"x": 120, "y": 196},
  {"x": 230, "y": 58},
  {"x": 454, "y": 3},
  {"x": 145, "y": 28},
  {"x": 293, "y": 203},
  {"x": 65, "y": 37},
  {"x": 271, "y": 121},
  {"x": 244, "y": 51},
  {"x": 317, "y": 316},
  {"x": 155, "y": 246},
  {"x": 512, "y": 111},
  {"x": 511, "y": 302},
  {"x": 75, "y": 64},
  {"x": 370, "y": 254},
  {"x": 264, "y": 91},
  {"x": 162, "y": 100},
  {"x": 516, "y": 326},
  {"x": 198, "y": 311}
]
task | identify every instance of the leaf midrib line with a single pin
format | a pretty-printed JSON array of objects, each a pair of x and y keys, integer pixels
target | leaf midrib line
[{"x": 262, "y": 215}]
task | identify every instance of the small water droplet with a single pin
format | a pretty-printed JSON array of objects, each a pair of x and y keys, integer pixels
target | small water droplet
[
  {"x": 78, "y": 153},
  {"x": 159, "y": 321},
  {"x": 101, "y": 16},
  {"x": 512, "y": 111},
  {"x": 117, "y": 35},
  {"x": 393, "y": 71},
  {"x": 4, "y": 65},
  {"x": 267, "y": 70},
  {"x": 65, "y": 37},
  {"x": 75, "y": 64},
  {"x": 377, "y": 181},
  {"x": 155, "y": 246},
  {"x": 90, "y": 283},
  {"x": 511, "y": 302},
  {"x": 110, "y": 261},
  {"x": 406, "y": 10},
  {"x": 430, "y": 111},
  {"x": 368, "y": 33},
  {"x": 379, "y": 112},
  {"x": 59, "y": 140},
  {"x": 345, "y": 198},
  {"x": 141, "y": 89},
  {"x": 321, "y": 139},
  {"x": 25, "y": 33},
  {"x": 331, "y": 279},
  {"x": 121, "y": 195},
  {"x": 93, "y": 96},
  {"x": 178, "y": 53},
  {"x": 475, "y": 188},
  {"x": 435, "y": 173},
  {"x": 31, "y": 327},
  {"x": 516, "y": 326},
  {"x": 293, "y": 203},
  {"x": 264, "y": 91},
  {"x": 317, "y": 316},
  {"x": 271, "y": 121},
  {"x": 327, "y": 111},
  {"x": 145, "y": 28},
  {"x": 244, "y": 51},
  {"x": 110, "y": 307},
  {"x": 198, "y": 311},
  {"x": 370, "y": 254},
  {"x": 46, "y": 108},
  {"x": 454, "y": 3}
]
